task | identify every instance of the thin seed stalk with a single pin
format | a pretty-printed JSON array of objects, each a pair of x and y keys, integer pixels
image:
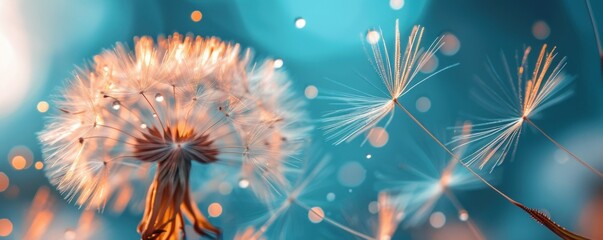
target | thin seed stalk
[{"x": 536, "y": 215}]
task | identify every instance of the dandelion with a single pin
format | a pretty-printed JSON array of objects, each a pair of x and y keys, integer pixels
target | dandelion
[
  {"x": 171, "y": 106},
  {"x": 530, "y": 94},
  {"x": 363, "y": 111}
]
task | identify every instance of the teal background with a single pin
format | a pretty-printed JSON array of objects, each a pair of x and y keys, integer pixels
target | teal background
[{"x": 64, "y": 33}]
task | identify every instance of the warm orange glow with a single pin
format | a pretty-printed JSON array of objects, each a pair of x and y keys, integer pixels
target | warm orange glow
[
  {"x": 122, "y": 199},
  {"x": 6, "y": 227},
  {"x": 43, "y": 106},
  {"x": 4, "y": 182},
  {"x": 196, "y": 16},
  {"x": 19, "y": 162},
  {"x": 39, "y": 165},
  {"x": 378, "y": 137},
  {"x": 316, "y": 215},
  {"x": 20, "y": 157},
  {"x": 40, "y": 214},
  {"x": 214, "y": 210}
]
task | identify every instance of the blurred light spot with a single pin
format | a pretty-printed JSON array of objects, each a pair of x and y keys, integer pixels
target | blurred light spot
[
  {"x": 42, "y": 106},
  {"x": 451, "y": 46},
  {"x": 423, "y": 104},
  {"x": 18, "y": 162},
  {"x": 378, "y": 137},
  {"x": 300, "y": 23},
  {"x": 143, "y": 126},
  {"x": 6, "y": 227},
  {"x": 69, "y": 234},
  {"x": 431, "y": 65},
  {"x": 437, "y": 219},
  {"x": 14, "y": 69},
  {"x": 373, "y": 207},
  {"x": 4, "y": 182},
  {"x": 368, "y": 156},
  {"x": 351, "y": 174},
  {"x": 350, "y": 190},
  {"x": 560, "y": 156},
  {"x": 463, "y": 215},
  {"x": 278, "y": 63},
  {"x": 330, "y": 197},
  {"x": 20, "y": 157},
  {"x": 316, "y": 215},
  {"x": 372, "y": 36},
  {"x": 396, "y": 4},
  {"x": 225, "y": 188},
  {"x": 196, "y": 16},
  {"x": 541, "y": 30},
  {"x": 244, "y": 183},
  {"x": 158, "y": 97},
  {"x": 311, "y": 92},
  {"x": 214, "y": 210},
  {"x": 39, "y": 165}
]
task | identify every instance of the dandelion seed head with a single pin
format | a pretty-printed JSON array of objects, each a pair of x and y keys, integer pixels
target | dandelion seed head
[
  {"x": 364, "y": 111},
  {"x": 523, "y": 93},
  {"x": 166, "y": 104}
]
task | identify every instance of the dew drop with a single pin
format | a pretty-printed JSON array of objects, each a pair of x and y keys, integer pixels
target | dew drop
[
  {"x": 244, "y": 183},
  {"x": 158, "y": 97},
  {"x": 143, "y": 126},
  {"x": 278, "y": 63},
  {"x": 300, "y": 23},
  {"x": 463, "y": 215},
  {"x": 116, "y": 105}
]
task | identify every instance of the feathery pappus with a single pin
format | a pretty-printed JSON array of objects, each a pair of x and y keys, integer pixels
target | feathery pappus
[
  {"x": 520, "y": 94},
  {"x": 413, "y": 190},
  {"x": 363, "y": 111},
  {"x": 172, "y": 104}
]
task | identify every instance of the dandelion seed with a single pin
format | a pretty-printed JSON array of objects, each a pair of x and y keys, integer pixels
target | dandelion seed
[
  {"x": 211, "y": 104},
  {"x": 365, "y": 111},
  {"x": 530, "y": 94}
]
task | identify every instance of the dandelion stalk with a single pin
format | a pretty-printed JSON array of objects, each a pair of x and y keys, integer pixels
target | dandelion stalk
[
  {"x": 592, "y": 169},
  {"x": 595, "y": 29},
  {"x": 536, "y": 215}
]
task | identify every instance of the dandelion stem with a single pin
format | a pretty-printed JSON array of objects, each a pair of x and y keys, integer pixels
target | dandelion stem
[
  {"x": 595, "y": 28},
  {"x": 451, "y": 153},
  {"x": 459, "y": 207},
  {"x": 595, "y": 171},
  {"x": 153, "y": 108},
  {"x": 536, "y": 215},
  {"x": 333, "y": 222}
]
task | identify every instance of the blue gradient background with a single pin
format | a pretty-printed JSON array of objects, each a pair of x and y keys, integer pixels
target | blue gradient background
[{"x": 64, "y": 33}]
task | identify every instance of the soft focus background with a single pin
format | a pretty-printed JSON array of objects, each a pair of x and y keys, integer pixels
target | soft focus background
[{"x": 42, "y": 41}]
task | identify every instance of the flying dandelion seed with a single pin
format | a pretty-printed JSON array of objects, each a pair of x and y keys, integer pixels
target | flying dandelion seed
[
  {"x": 398, "y": 76},
  {"x": 390, "y": 215},
  {"x": 415, "y": 190},
  {"x": 311, "y": 177},
  {"x": 168, "y": 104},
  {"x": 530, "y": 94}
]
